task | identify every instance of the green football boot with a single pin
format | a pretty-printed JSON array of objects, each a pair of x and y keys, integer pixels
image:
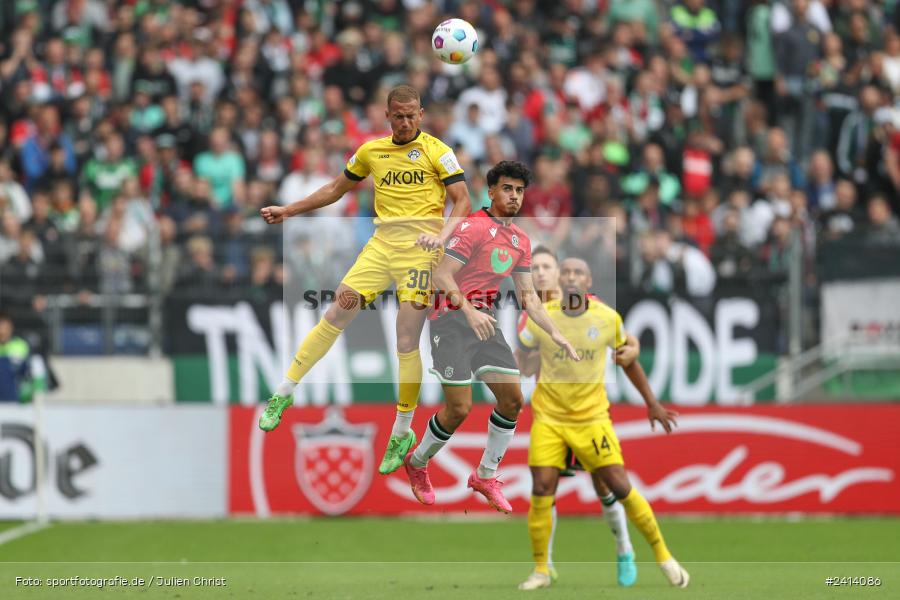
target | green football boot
[
  {"x": 271, "y": 417},
  {"x": 397, "y": 449}
]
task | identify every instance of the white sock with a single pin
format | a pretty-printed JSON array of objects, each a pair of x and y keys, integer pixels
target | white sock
[
  {"x": 500, "y": 434},
  {"x": 614, "y": 513},
  {"x": 435, "y": 438},
  {"x": 552, "y": 535},
  {"x": 286, "y": 387},
  {"x": 402, "y": 422}
]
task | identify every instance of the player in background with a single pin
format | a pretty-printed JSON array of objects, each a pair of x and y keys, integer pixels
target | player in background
[
  {"x": 15, "y": 362},
  {"x": 413, "y": 174},
  {"x": 571, "y": 411},
  {"x": 545, "y": 273},
  {"x": 485, "y": 248}
]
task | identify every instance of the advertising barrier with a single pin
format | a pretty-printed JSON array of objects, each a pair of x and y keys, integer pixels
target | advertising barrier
[
  {"x": 229, "y": 350},
  {"x": 810, "y": 459},
  {"x": 114, "y": 462},
  {"x": 861, "y": 316}
]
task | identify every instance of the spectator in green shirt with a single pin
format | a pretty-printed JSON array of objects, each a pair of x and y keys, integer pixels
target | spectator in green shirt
[
  {"x": 146, "y": 116},
  {"x": 103, "y": 177},
  {"x": 221, "y": 166},
  {"x": 654, "y": 165},
  {"x": 761, "y": 55},
  {"x": 644, "y": 12}
]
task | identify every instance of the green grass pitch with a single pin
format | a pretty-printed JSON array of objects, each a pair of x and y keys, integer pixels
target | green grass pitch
[{"x": 408, "y": 559}]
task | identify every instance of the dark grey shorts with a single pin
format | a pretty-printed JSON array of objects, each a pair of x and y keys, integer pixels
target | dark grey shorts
[{"x": 459, "y": 355}]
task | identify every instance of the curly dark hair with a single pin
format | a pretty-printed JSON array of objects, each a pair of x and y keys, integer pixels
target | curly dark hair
[{"x": 509, "y": 168}]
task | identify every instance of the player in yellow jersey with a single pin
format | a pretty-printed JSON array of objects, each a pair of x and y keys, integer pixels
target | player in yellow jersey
[
  {"x": 414, "y": 173},
  {"x": 545, "y": 274},
  {"x": 571, "y": 411}
]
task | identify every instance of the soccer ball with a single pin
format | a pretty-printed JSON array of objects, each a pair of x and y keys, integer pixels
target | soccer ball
[{"x": 454, "y": 41}]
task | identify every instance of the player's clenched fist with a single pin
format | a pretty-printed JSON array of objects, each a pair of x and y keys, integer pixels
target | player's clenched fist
[
  {"x": 273, "y": 214},
  {"x": 429, "y": 242},
  {"x": 626, "y": 354}
]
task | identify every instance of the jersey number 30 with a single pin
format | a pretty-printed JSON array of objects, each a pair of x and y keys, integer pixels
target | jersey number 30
[{"x": 419, "y": 279}]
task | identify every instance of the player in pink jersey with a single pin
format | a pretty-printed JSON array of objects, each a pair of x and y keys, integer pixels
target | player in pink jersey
[{"x": 484, "y": 249}]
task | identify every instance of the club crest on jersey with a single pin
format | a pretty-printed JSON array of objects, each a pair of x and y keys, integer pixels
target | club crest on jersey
[
  {"x": 493, "y": 231},
  {"x": 413, "y": 154},
  {"x": 515, "y": 241},
  {"x": 448, "y": 372},
  {"x": 593, "y": 333}
]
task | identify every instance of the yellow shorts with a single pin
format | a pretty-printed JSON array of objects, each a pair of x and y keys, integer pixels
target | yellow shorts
[
  {"x": 594, "y": 444},
  {"x": 381, "y": 264}
]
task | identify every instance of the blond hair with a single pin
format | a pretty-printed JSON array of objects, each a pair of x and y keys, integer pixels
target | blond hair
[{"x": 403, "y": 93}]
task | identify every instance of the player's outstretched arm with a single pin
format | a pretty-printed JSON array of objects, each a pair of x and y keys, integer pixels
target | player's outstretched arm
[
  {"x": 655, "y": 410},
  {"x": 445, "y": 282},
  {"x": 535, "y": 309},
  {"x": 327, "y": 194},
  {"x": 458, "y": 194}
]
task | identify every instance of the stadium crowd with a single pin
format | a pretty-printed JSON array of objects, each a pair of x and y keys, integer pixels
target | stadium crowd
[{"x": 150, "y": 132}]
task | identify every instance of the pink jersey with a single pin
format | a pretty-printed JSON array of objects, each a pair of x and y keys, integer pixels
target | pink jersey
[{"x": 489, "y": 251}]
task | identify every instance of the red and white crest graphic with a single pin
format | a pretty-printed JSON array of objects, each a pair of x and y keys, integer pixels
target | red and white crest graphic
[
  {"x": 333, "y": 462},
  {"x": 813, "y": 459}
]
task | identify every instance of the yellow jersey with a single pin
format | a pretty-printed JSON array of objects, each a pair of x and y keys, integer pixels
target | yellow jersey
[
  {"x": 570, "y": 392},
  {"x": 410, "y": 181}
]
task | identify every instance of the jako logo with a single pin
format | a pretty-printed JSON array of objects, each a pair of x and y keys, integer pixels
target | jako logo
[{"x": 403, "y": 177}]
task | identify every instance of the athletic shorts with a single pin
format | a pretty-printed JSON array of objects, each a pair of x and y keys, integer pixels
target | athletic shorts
[
  {"x": 594, "y": 444},
  {"x": 382, "y": 264},
  {"x": 459, "y": 355}
]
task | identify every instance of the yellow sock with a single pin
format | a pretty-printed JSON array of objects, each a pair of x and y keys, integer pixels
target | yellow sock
[
  {"x": 540, "y": 528},
  {"x": 314, "y": 346},
  {"x": 410, "y": 380},
  {"x": 641, "y": 516}
]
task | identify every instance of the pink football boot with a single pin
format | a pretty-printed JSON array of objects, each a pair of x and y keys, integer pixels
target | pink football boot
[
  {"x": 419, "y": 481},
  {"x": 490, "y": 489}
]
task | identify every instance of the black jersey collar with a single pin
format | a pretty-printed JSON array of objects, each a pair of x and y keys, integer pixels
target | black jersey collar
[
  {"x": 495, "y": 219},
  {"x": 415, "y": 137}
]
